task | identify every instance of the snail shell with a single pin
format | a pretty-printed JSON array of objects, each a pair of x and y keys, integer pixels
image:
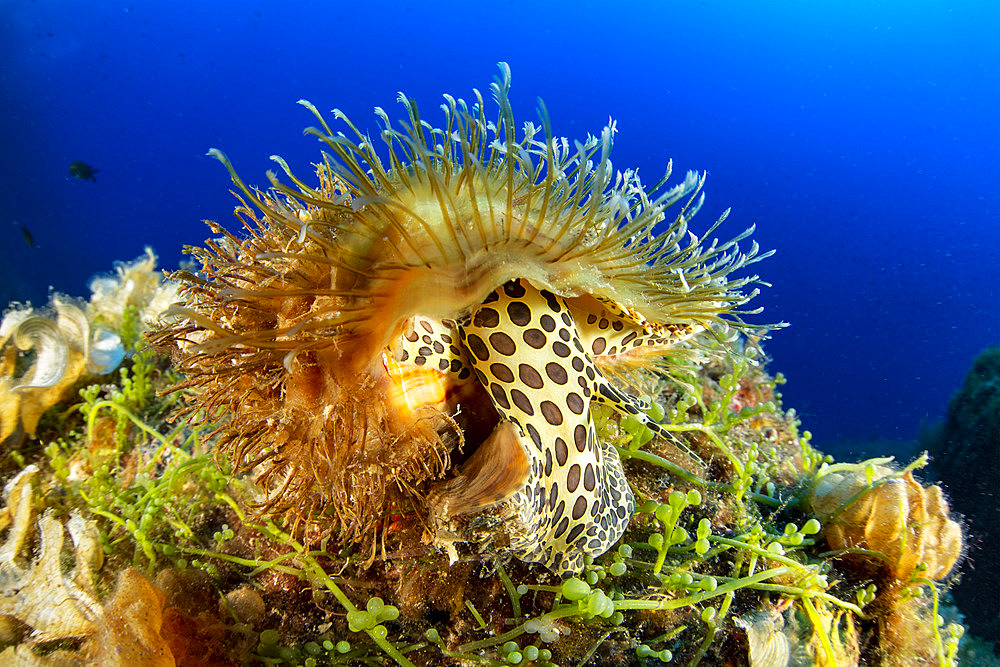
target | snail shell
[
  {"x": 889, "y": 513},
  {"x": 346, "y": 333}
]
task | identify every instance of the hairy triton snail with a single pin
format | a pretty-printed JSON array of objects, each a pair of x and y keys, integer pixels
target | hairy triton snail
[
  {"x": 454, "y": 285},
  {"x": 875, "y": 508}
]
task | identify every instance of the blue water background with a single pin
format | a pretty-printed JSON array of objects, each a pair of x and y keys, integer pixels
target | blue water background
[{"x": 863, "y": 140}]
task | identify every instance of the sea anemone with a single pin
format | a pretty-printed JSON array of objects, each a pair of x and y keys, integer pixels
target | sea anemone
[{"x": 452, "y": 286}]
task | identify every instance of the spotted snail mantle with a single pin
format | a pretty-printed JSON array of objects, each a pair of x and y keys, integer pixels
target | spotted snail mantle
[{"x": 427, "y": 330}]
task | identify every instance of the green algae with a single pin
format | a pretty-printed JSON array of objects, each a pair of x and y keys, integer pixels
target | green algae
[{"x": 721, "y": 539}]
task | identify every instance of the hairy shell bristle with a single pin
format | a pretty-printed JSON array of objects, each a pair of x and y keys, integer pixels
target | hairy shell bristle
[
  {"x": 286, "y": 328},
  {"x": 440, "y": 217}
]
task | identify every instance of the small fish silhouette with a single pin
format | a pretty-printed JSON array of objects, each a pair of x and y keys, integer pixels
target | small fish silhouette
[
  {"x": 29, "y": 240},
  {"x": 83, "y": 171}
]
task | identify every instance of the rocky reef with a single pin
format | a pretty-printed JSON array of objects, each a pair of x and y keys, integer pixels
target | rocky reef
[
  {"x": 747, "y": 547},
  {"x": 338, "y": 447},
  {"x": 969, "y": 440}
]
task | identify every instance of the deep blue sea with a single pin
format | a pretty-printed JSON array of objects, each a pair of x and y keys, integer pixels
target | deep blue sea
[{"x": 862, "y": 138}]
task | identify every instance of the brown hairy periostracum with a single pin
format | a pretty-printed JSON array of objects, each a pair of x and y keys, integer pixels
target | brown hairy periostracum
[{"x": 436, "y": 285}]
